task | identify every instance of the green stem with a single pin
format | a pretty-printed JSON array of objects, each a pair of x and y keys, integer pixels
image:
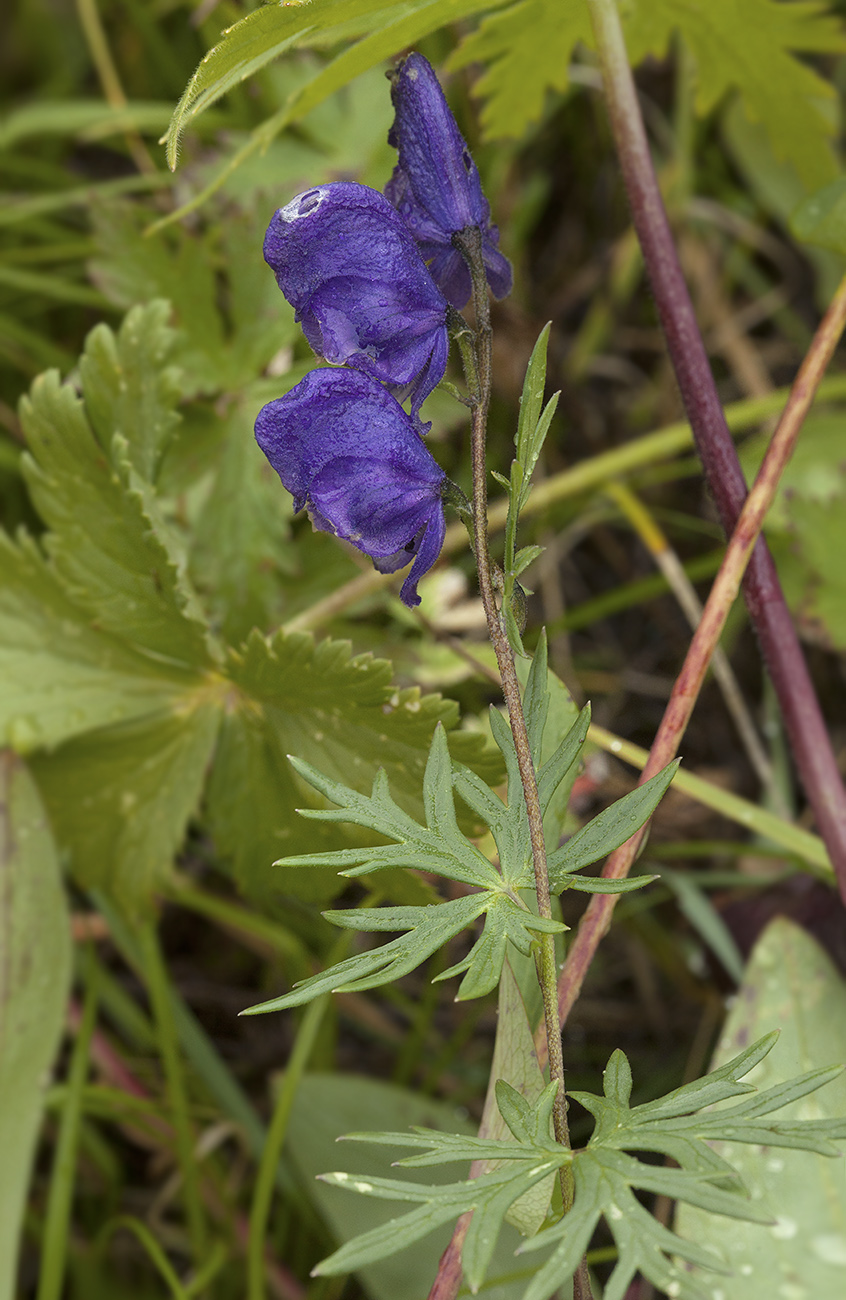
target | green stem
[
  {"x": 469, "y": 243},
  {"x": 56, "y": 1228},
  {"x": 260, "y": 1209},
  {"x": 158, "y": 989}
]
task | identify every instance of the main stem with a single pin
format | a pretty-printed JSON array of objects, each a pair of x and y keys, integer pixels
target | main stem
[
  {"x": 809, "y": 740},
  {"x": 469, "y": 242}
]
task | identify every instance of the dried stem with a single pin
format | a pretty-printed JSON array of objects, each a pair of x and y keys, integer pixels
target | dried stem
[
  {"x": 726, "y": 586},
  {"x": 803, "y": 719}
]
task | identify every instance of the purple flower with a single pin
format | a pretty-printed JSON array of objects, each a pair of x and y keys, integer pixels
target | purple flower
[
  {"x": 346, "y": 450},
  {"x": 435, "y": 186},
  {"x": 348, "y": 264}
]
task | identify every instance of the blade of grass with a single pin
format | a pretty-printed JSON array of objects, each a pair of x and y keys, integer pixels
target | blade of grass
[
  {"x": 158, "y": 988},
  {"x": 260, "y": 1208},
  {"x": 57, "y": 1223},
  {"x": 810, "y": 742}
]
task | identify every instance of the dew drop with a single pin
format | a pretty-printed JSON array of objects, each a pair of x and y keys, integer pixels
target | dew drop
[{"x": 830, "y": 1247}]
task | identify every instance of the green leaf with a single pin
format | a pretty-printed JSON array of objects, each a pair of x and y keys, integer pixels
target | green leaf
[
  {"x": 59, "y": 675},
  {"x": 606, "y": 1176},
  {"x": 789, "y": 981},
  {"x": 440, "y": 848},
  {"x": 130, "y": 390},
  {"x": 745, "y": 46},
  {"x": 232, "y": 318},
  {"x": 252, "y": 43},
  {"x": 514, "y": 1062},
  {"x": 821, "y": 218},
  {"x": 108, "y": 542},
  {"x": 331, "y": 1104},
  {"x": 609, "y": 830},
  {"x": 819, "y": 531},
  {"x": 292, "y": 696},
  {"x": 429, "y": 928},
  {"x": 489, "y": 1197},
  {"x": 529, "y": 49},
  {"x": 242, "y": 536},
  {"x": 120, "y": 798},
  {"x": 34, "y": 987},
  {"x": 268, "y": 32}
]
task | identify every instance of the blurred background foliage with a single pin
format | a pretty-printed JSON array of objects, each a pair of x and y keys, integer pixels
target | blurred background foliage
[{"x": 156, "y": 714}]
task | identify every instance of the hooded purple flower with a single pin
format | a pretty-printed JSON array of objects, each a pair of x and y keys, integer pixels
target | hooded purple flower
[
  {"x": 347, "y": 263},
  {"x": 346, "y": 450},
  {"x": 435, "y": 186}
]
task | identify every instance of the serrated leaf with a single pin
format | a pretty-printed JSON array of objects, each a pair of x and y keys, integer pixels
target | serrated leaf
[
  {"x": 120, "y": 798},
  {"x": 59, "y": 675},
  {"x": 745, "y": 46},
  {"x": 33, "y": 990},
  {"x": 789, "y": 981},
  {"x": 242, "y": 536},
  {"x": 609, "y": 829},
  {"x": 319, "y": 701},
  {"x": 529, "y": 48},
  {"x": 107, "y": 540},
  {"x": 130, "y": 390}
]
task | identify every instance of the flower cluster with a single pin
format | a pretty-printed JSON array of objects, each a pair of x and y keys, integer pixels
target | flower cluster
[{"x": 353, "y": 264}]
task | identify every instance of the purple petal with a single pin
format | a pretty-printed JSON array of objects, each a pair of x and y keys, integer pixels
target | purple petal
[
  {"x": 349, "y": 265},
  {"x": 345, "y": 449},
  {"x": 435, "y": 186}
]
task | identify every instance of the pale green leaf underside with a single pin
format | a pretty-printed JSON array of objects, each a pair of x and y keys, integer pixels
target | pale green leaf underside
[
  {"x": 35, "y": 942},
  {"x": 789, "y": 980},
  {"x": 270, "y": 31}
]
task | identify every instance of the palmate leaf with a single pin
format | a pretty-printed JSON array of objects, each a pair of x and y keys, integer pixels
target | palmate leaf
[
  {"x": 509, "y": 824},
  {"x": 606, "y": 1177},
  {"x": 111, "y": 681},
  {"x": 108, "y": 543},
  {"x": 287, "y": 695},
  {"x": 439, "y": 847},
  {"x": 745, "y": 46}
]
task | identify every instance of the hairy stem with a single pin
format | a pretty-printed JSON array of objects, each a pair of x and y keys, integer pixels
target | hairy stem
[
  {"x": 469, "y": 242},
  {"x": 803, "y": 719}
]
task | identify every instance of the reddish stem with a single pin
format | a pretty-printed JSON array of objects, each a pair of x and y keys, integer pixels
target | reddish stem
[{"x": 815, "y": 760}]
